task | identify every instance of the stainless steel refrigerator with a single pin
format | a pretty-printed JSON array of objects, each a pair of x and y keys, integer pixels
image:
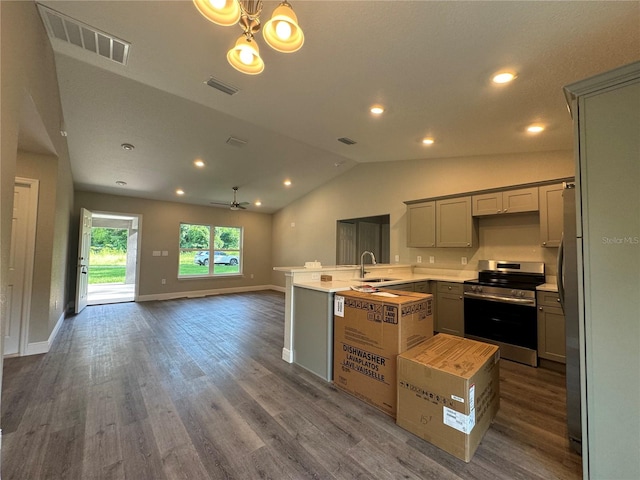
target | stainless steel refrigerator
[{"x": 567, "y": 276}]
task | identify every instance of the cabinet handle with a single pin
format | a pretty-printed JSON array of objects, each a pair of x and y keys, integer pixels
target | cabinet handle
[
  {"x": 449, "y": 288},
  {"x": 540, "y": 308},
  {"x": 558, "y": 300},
  {"x": 544, "y": 243},
  {"x": 460, "y": 297},
  {"x": 504, "y": 211}
]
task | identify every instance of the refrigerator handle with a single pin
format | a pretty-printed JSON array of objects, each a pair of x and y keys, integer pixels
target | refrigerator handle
[{"x": 560, "y": 271}]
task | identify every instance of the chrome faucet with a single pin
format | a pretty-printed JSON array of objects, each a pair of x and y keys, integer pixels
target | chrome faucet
[{"x": 373, "y": 262}]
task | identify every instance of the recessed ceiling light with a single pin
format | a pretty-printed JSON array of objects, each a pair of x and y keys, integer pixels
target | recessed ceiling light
[
  {"x": 127, "y": 146},
  {"x": 198, "y": 163},
  {"x": 179, "y": 192},
  {"x": 535, "y": 128},
  {"x": 503, "y": 77},
  {"x": 121, "y": 183},
  {"x": 427, "y": 141},
  {"x": 258, "y": 203},
  {"x": 287, "y": 182},
  {"x": 377, "y": 109}
]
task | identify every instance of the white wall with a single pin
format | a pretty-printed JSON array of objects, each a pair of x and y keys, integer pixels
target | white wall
[{"x": 306, "y": 229}]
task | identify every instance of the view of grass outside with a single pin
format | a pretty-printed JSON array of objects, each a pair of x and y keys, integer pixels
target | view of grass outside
[
  {"x": 189, "y": 267},
  {"x": 195, "y": 239},
  {"x": 108, "y": 260}
]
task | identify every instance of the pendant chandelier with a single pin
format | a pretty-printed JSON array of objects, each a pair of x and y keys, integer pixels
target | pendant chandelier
[{"x": 281, "y": 32}]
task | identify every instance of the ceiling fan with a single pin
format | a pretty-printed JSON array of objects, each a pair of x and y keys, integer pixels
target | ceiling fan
[{"x": 235, "y": 205}]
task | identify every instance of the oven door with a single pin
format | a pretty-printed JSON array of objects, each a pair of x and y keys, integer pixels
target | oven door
[{"x": 504, "y": 323}]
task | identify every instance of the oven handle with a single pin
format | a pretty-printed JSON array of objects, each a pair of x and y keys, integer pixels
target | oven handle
[{"x": 528, "y": 302}]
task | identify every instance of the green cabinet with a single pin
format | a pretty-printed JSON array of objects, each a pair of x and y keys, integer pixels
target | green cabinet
[
  {"x": 421, "y": 224},
  {"x": 449, "y": 309},
  {"x": 551, "y": 327},
  {"x": 454, "y": 223}
]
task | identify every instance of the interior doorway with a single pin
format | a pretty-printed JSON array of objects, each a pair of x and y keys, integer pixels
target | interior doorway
[
  {"x": 355, "y": 235},
  {"x": 112, "y": 266}
]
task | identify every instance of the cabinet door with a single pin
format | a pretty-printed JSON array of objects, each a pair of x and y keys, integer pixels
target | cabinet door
[
  {"x": 487, "y": 204},
  {"x": 551, "y": 215},
  {"x": 421, "y": 225},
  {"x": 521, "y": 200},
  {"x": 551, "y": 335},
  {"x": 450, "y": 309},
  {"x": 454, "y": 223}
]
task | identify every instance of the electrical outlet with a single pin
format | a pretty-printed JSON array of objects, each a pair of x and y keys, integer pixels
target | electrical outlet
[
  {"x": 315, "y": 276},
  {"x": 397, "y": 258},
  {"x": 464, "y": 260},
  {"x": 432, "y": 259},
  {"x": 252, "y": 275},
  {"x": 163, "y": 281},
  {"x": 419, "y": 259}
]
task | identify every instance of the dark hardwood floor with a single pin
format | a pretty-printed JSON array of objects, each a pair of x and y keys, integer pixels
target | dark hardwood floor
[{"x": 196, "y": 389}]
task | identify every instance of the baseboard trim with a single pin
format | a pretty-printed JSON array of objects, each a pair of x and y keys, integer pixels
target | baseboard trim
[
  {"x": 206, "y": 293},
  {"x": 38, "y": 348},
  {"x": 287, "y": 355}
]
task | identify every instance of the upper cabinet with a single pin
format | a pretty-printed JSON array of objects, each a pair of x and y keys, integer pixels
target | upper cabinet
[
  {"x": 454, "y": 223},
  {"x": 421, "y": 224},
  {"x": 551, "y": 215},
  {"x": 451, "y": 221},
  {"x": 509, "y": 201}
]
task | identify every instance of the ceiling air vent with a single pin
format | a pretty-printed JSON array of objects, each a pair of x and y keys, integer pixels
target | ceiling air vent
[
  {"x": 72, "y": 31},
  {"x": 347, "y": 141},
  {"x": 236, "y": 142},
  {"x": 223, "y": 87}
]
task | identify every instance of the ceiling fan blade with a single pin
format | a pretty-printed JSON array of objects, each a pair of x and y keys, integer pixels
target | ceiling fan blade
[
  {"x": 244, "y": 203},
  {"x": 225, "y": 204}
]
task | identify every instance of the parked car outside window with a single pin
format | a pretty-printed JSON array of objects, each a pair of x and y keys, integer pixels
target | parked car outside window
[{"x": 220, "y": 258}]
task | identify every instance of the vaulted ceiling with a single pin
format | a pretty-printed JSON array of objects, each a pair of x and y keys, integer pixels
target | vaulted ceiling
[{"x": 429, "y": 63}]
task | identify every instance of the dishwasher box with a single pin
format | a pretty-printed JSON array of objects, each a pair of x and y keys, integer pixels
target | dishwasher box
[
  {"x": 449, "y": 392},
  {"x": 370, "y": 330}
]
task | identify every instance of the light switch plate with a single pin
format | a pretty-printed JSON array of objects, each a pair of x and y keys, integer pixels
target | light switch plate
[
  {"x": 419, "y": 259},
  {"x": 464, "y": 260},
  {"x": 156, "y": 253},
  {"x": 432, "y": 259}
]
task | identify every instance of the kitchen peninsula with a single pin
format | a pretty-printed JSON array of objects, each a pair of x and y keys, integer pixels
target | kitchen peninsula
[{"x": 309, "y": 301}]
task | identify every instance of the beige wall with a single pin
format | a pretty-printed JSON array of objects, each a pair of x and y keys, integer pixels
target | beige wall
[
  {"x": 31, "y": 117},
  {"x": 160, "y": 229},
  {"x": 306, "y": 229}
]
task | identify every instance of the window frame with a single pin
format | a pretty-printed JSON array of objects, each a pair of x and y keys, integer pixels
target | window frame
[{"x": 211, "y": 273}]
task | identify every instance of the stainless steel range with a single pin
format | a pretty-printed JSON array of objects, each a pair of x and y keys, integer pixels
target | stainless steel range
[{"x": 500, "y": 307}]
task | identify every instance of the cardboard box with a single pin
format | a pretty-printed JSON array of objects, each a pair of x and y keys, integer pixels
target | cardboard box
[
  {"x": 449, "y": 392},
  {"x": 370, "y": 329}
]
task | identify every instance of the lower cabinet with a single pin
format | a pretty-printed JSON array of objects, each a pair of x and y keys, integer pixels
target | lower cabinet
[
  {"x": 551, "y": 334},
  {"x": 313, "y": 331},
  {"x": 449, "y": 309}
]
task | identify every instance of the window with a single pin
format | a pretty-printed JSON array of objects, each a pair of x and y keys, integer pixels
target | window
[{"x": 207, "y": 250}]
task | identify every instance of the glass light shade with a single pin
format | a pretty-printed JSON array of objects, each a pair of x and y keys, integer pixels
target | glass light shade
[
  {"x": 245, "y": 56},
  {"x": 285, "y": 38},
  {"x": 228, "y": 15}
]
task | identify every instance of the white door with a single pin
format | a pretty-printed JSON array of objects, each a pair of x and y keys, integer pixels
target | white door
[
  {"x": 25, "y": 204},
  {"x": 84, "y": 248}
]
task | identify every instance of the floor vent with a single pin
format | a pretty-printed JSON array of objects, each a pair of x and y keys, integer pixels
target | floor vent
[
  {"x": 66, "y": 29},
  {"x": 223, "y": 87},
  {"x": 347, "y": 141},
  {"x": 236, "y": 142}
]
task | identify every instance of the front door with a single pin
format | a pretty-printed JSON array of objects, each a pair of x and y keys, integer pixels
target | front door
[{"x": 84, "y": 248}]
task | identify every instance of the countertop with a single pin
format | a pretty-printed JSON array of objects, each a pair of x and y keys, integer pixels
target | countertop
[{"x": 340, "y": 285}]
